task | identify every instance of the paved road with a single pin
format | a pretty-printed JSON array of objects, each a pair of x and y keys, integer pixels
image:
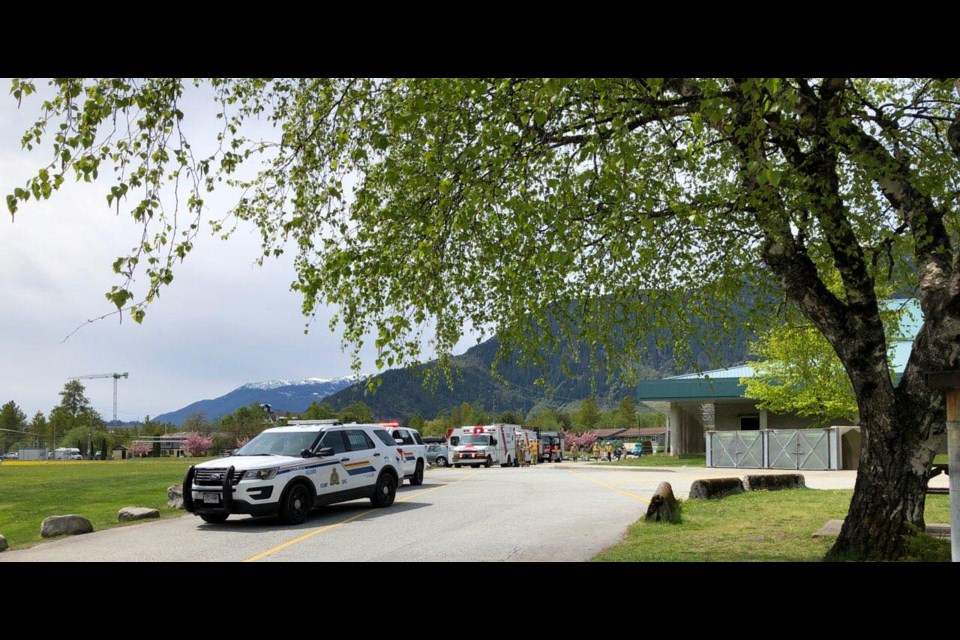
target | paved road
[{"x": 561, "y": 511}]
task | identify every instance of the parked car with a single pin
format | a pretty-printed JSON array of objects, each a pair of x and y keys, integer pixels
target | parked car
[
  {"x": 11, "y": 455},
  {"x": 437, "y": 454}
]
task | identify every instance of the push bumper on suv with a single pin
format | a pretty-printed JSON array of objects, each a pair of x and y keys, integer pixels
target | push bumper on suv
[{"x": 216, "y": 492}]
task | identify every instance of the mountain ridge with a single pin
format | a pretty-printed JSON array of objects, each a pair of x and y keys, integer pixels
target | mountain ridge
[{"x": 282, "y": 395}]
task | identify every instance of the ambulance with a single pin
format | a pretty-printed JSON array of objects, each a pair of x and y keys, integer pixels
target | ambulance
[{"x": 485, "y": 445}]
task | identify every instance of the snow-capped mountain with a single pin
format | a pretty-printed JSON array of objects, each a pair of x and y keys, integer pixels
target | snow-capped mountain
[
  {"x": 275, "y": 384},
  {"x": 281, "y": 395}
]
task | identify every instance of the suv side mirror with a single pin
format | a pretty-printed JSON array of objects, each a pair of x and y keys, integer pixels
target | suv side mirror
[{"x": 493, "y": 441}]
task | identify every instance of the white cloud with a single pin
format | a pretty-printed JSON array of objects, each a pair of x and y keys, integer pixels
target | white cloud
[{"x": 222, "y": 323}]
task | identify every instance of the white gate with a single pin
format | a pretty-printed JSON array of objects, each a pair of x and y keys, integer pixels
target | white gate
[
  {"x": 782, "y": 451},
  {"x": 814, "y": 449},
  {"x": 774, "y": 449},
  {"x": 735, "y": 449},
  {"x": 798, "y": 449}
]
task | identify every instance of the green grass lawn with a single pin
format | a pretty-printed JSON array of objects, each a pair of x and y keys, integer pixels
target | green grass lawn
[
  {"x": 96, "y": 490},
  {"x": 661, "y": 460},
  {"x": 757, "y": 526}
]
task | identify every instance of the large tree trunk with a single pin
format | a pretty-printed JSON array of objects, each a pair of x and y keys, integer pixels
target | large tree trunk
[
  {"x": 889, "y": 497},
  {"x": 900, "y": 437}
]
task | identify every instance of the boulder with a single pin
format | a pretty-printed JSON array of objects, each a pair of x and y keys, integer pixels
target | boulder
[
  {"x": 663, "y": 506},
  {"x": 774, "y": 482},
  {"x": 137, "y": 513},
  {"x": 715, "y": 488},
  {"x": 70, "y": 525},
  {"x": 3, "y": 544},
  {"x": 175, "y": 496}
]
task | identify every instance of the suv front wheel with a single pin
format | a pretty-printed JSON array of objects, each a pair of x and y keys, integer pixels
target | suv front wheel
[
  {"x": 296, "y": 505},
  {"x": 385, "y": 492}
]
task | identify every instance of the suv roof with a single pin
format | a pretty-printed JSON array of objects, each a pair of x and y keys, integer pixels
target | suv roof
[{"x": 317, "y": 425}]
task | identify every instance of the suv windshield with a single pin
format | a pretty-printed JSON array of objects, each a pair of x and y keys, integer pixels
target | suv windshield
[
  {"x": 278, "y": 443},
  {"x": 482, "y": 440}
]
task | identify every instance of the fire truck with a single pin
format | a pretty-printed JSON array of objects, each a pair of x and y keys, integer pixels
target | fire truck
[
  {"x": 485, "y": 445},
  {"x": 551, "y": 446}
]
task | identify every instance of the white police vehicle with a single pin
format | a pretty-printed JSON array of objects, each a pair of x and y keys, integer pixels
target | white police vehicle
[
  {"x": 414, "y": 451},
  {"x": 287, "y": 471}
]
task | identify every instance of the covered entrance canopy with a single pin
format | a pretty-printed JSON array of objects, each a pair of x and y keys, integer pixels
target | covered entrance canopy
[
  {"x": 698, "y": 403},
  {"x": 707, "y": 401}
]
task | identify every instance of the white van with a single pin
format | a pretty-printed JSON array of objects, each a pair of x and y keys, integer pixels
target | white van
[{"x": 485, "y": 445}]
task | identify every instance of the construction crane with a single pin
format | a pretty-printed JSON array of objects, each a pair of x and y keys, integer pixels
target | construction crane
[{"x": 116, "y": 377}]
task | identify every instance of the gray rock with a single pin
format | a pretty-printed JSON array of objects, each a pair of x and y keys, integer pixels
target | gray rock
[
  {"x": 175, "y": 496},
  {"x": 137, "y": 513},
  {"x": 70, "y": 525},
  {"x": 715, "y": 488},
  {"x": 831, "y": 529},
  {"x": 3, "y": 544},
  {"x": 663, "y": 505},
  {"x": 773, "y": 482}
]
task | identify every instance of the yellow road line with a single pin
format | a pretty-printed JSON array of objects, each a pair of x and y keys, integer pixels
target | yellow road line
[
  {"x": 629, "y": 494},
  {"x": 324, "y": 529}
]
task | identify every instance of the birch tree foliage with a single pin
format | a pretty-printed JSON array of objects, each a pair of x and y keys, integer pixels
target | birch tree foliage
[{"x": 422, "y": 207}]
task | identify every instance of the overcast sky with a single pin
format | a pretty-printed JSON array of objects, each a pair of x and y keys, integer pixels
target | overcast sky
[{"x": 223, "y": 322}]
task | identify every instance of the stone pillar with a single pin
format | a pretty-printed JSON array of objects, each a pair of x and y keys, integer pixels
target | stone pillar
[
  {"x": 708, "y": 414},
  {"x": 673, "y": 421}
]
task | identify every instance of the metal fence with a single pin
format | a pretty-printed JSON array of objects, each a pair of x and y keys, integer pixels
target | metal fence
[
  {"x": 779, "y": 449},
  {"x": 735, "y": 449}
]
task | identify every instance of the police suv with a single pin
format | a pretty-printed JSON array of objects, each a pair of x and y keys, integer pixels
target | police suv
[
  {"x": 414, "y": 451},
  {"x": 287, "y": 471}
]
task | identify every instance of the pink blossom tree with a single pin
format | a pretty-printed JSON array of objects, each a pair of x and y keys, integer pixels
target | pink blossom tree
[
  {"x": 139, "y": 448},
  {"x": 576, "y": 444},
  {"x": 195, "y": 444}
]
